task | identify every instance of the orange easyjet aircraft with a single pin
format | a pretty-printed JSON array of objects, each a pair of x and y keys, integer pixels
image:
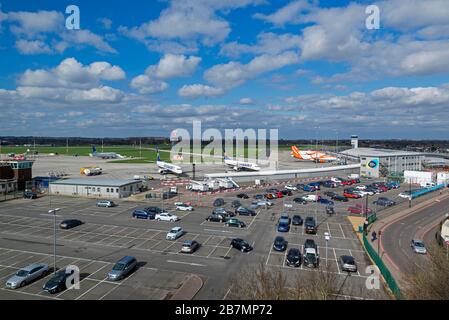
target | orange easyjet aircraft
[{"x": 310, "y": 155}]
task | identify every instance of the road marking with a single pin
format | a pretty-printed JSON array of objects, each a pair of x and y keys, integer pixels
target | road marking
[
  {"x": 188, "y": 263},
  {"x": 214, "y": 230}
]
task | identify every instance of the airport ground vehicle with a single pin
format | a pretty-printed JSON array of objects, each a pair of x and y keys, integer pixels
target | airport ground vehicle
[
  {"x": 29, "y": 195},
  {"x": 418, "y": 246},
  {"x": 385, "y": 202},
  {"x": 175, "y": 233},
  {"x": 279, "y": 244},
  {"x": 70, "y": 223},
  {"x": 311, "y": 258},
  {"x": 297, "y": 220},
  {"x": 165, "y": 216},
  {"x": 310, "y": 225},
  {"x": 143, "y": 214},
  {"x": 233, "y": 222},
  {"x": 57, "y": 283},
  {"x": 91, "y": 171},
  {"x": 347, "y": 263},
  {"x": 241, "y": 245},
  {"x": 184, "y": 207},
  {"x": 242, "y": 211},
  {"x": 122, "y": 268},
  {"x": 27, "y": 275},
  {"x": 293, "y": 258},
  {"x": 106, "y": 203},
  {"x": 190, "y": 246}
]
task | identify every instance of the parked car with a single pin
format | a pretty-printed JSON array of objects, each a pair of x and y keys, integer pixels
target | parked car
[
  {"x": 330, "y": 210},
  {"x": 349, "y": 194},
  {"x": 300, "y": 200},
  {"x": 330, "y": 184},
  {"x": 311, "y": 258},
  {"x": 241, "y": 245},
  {"x": 262, "y": 203},
  {"x": 216, "y": 218},
  {"x": 184, "y": 207},
  {"x": 279, "y": 244},
  {"x": 270, "y": 196},
  {"x": 418, "y": 246},
  {"x": 143, "y": 214},
  {"x": 222, "y": 211},
  {"x": 297, "y": 220},
  {"x": 57, "y": 282},
  {"x": 310, "y": 225},
  {"x": 331, "y": 194},
  {"x": 233, "y": 222},
  {"x": 393, "y": 185},
  {"x": 360, "y": 187},
  {"x": 339, "y": 198},
  {"x": 70, "y": 223},
  {"x": 325, "y": 201},
  {"x": 122, "y": 268},
  {"x": 29, "y": 195},
  {"x": 310, "y": 243},
  {"x": 190, "y": 246},
  {"x": 293, "y": 258},
  {"x": 308, "y": 188},
  {"x": 279, "y": 195},
  {"x": 315, "y": 185},
  {"x": 385, "y": 202},
  {"x": 405, "y": 195},
  {"x": 286, "y": 192},
  {"x": 242, "y": 196},
  {"x": 155, "y": 210},
  {"x": 235, "y": 204},
  {"x": 218, "y": 202},
  {"x": 272, "y": 190},
  {"x": 359, "y": 210},
  {"x": 242, "y": 211},
  {"x": 290, "y": 187},
  {"x": 311, "y": 197},
  {"x": 165, "y": 216},
  {"x": 259, "y": 197},
  {"x": 347, "y": 263},
  {"x": 345, "y": 182},
  {"x": 283, "y": 225},
  {"x": 106, "y": 203},
  {"x": 175, "y": 233},
  {"x": 27, "y": 275}
]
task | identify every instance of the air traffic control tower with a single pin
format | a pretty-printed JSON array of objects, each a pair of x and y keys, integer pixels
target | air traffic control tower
[
  {"x": 19, "y": 170},
  {"x": 354, "y": 141}
]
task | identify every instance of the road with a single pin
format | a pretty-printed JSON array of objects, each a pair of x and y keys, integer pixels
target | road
[{"x": 396, "y": 236}]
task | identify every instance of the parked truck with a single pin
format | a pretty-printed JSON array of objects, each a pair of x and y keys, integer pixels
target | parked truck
[{"x": 91, "y": 171}]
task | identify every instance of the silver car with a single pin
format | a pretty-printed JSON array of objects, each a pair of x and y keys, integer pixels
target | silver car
[
  {"x": 347, "y": 263},
  {"x": 418, "y": 246},
  {"x": 122, "y": 268},
  {"x": 27, "y": 275}
]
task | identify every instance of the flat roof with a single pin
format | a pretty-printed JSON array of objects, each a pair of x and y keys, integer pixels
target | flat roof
[
  {"x": 373, "y": 152},
  {"x": 97, "y": 182}
]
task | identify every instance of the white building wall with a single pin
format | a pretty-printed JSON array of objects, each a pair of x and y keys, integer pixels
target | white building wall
[
  {"x": 443, "y": 178},
  {"x": 95, "y": 191},
  {"x": 422, "y": 178}
]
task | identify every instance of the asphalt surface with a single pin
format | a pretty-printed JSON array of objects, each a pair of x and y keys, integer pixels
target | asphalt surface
[
  {"x": 26, "y": 236},
  {"x": 396, "y": 237}
]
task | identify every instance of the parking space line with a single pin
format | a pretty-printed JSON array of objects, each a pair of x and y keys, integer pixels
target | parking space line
[
  {"x": 335, "y": 255},
  {"x": 119, "y": 284},
  {"x": 268, "y": 258},
  {"x": 342, "y": 232}
]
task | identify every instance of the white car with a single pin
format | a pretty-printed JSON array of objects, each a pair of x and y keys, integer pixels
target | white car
[
  {"x": 174, "y": 233},
  {"x": 290, "y": 187},
  {"x": 262, "y": 203},
  {"x": 404, "y": 195},
  {"x": 360, "y": 187},
  {"x": 184, "y": 207},
  {"x": 165, "y": 216},
  {"x": 311, "y": 197},
  {"x": 364, "y": 193}
]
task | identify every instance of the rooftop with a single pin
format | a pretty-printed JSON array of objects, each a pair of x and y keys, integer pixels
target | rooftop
[
  {"x": 97, "y": 182},
  {"x": 373, "y": 152}
]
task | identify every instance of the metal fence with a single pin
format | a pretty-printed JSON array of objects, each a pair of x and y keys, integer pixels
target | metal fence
[
  {"x": 391, "y": 282},
  {"x": 424, "y": 191},
  {"x": 10, "y": 195}
]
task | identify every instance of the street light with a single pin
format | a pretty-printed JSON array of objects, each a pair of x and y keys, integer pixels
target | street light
[
  {"x": 327, "y": 237},
  {"x": 53, "y": 212}
]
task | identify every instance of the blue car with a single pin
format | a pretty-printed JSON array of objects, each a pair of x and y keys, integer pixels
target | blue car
[
  {"x": 325, "y": 201},
  {"x": 283, "y": 225},
  {"x": 308, "y": 188},
  {"x": 143, "y": 214}
]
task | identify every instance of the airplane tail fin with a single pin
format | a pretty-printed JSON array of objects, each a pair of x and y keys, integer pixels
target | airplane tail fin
[
  {"x": 225, "y": 156},
  {"x": 94, "y": 150},
  {"x": 158, "y": 156},
  {"x": 296, "y": 153}
]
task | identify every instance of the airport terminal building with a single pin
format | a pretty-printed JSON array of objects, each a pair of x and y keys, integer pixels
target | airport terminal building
[
  {"x": 377, "y": 163},
  {"x": 96, "y": 188}
]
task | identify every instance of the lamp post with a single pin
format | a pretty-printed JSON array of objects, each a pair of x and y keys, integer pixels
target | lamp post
[
  {"x": 327, "y": 237},
  {"x": 53, "y": 212}
]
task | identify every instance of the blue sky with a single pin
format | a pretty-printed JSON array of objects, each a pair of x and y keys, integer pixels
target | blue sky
[{"x": 145, "y": 68}]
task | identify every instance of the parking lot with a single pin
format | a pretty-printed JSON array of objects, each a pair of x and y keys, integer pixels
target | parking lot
[{"x": 109, "y": 233}]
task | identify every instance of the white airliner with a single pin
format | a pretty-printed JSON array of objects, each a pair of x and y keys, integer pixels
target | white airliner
[
  {"x": 240, "y": 165},
  {"x": 105, "y": 155},
  {"x": 165, "y": 167}
]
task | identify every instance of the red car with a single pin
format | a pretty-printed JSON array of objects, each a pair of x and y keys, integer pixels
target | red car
[
  {"x": 354, "y": 181},
  {"x": 351, "y": 195},
  {"x": 359, "y": 210},
  {"x": 279, "y": 194},
  {"x": 346, "y": 182}
]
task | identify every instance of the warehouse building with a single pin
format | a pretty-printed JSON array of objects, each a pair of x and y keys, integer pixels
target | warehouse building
[
  {"x": 384, "y": 162},
  {"x": 96, "y": 188}
]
